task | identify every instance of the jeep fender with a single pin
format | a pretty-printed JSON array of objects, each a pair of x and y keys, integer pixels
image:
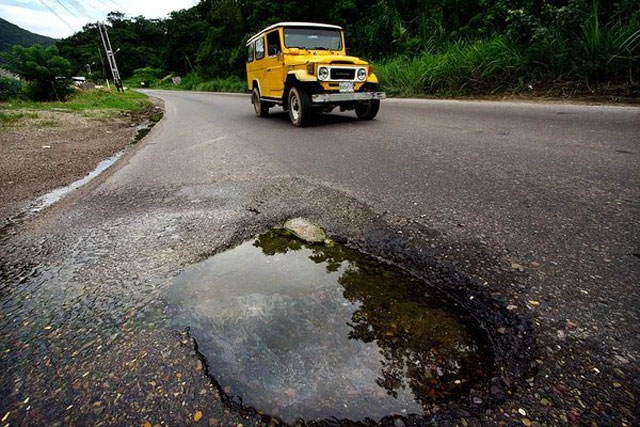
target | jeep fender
[
  {"x": 372, "y": 78},
  {"x": 296, "y": 78},
  {"x": 301, "y": 76}
]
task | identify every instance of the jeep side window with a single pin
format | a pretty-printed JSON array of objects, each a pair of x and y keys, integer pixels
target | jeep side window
[
  {"x": 273, "y": 43},
  {"x": 250, "y": 50},
  {"x": 260, "y": 48}
]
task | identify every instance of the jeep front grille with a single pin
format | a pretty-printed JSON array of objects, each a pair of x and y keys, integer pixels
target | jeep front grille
[{"x": 343, "y": 74}]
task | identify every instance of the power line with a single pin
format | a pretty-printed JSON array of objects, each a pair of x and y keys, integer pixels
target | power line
[
  {"x": 105, "y": 4},
  {"x": 58, "y": 16},
  {"x": 77, "y": 6},
  {"x": 99, "y": 6},
  {"x": 67, "y": 9}
]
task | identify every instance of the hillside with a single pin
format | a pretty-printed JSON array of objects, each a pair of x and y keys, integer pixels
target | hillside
[{"x": 11, "y": 34}]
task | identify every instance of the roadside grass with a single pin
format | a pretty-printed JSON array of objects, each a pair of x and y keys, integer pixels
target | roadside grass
[
  {"x": 461, "y": 68},
  {"x": 230, "y": 84},
  {"x": 10, "y": 118},
  {"x": 595, "y": 60},
  {"x": 85, "y": 101},
  {"x": 194, "y": 81},
  {"x": 48, "y": 123}
]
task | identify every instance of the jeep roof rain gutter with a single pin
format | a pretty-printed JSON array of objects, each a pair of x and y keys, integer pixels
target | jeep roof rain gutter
[{"x": 292, "y": 24}]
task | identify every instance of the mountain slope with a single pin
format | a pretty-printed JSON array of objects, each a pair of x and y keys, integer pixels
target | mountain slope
[{"x": 11, "y": 34}]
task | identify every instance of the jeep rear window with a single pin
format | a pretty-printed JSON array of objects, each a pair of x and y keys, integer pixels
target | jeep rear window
[
  {"x": 260, "y": 48},
  {"x": 312, "y": 38},
  {"x": 250, "y": 53}
]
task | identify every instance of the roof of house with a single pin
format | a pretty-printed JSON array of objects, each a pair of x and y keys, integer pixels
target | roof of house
[{"x": 293, "y": 24}]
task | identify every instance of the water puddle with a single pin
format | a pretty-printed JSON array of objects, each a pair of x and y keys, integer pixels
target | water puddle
[
  {"x": 52, "y": 197},
  {"x": 323, "y": 331},
  {"x": 141, "y": 132}
]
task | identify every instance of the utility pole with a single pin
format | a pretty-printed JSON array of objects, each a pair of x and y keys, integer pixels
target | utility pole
[{"x": 111, "y": 58}]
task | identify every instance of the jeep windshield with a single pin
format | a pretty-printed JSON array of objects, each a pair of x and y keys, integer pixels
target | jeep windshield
[{"x": 312, "y": 38}]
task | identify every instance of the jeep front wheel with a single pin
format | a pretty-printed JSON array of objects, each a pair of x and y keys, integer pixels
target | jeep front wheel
[
  {"x": 261, "y": 108},
  {"x": 367, "y": 110},
  {"x": 300, "y": 110}
]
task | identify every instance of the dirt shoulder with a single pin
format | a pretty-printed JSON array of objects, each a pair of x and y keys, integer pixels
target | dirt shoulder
[{"x": 44, "y": 150}]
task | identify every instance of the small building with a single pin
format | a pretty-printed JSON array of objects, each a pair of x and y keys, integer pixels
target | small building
[
  {"x": 8, "y": 74},
  {"x": 78, "y": 80}
]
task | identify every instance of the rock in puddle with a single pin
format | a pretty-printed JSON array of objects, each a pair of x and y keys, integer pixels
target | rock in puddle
[{"x": 305, "y": 230}]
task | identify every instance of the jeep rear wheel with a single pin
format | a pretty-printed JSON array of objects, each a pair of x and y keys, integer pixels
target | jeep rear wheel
[
  {"x": 261, "y": 108},
  {"x": 367, "y": 110},
  {"x": 300, "y": 110}
]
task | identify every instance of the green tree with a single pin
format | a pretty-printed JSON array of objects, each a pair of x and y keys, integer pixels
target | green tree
[
  {"x": 46, "y": 72},
  {"x": 185, "y": 30},
  {"x": 140, "y": 42},
  {"x": 543, "y": 40}
]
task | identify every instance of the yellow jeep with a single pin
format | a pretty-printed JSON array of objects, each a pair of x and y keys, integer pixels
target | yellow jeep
[{"x": 304, "y": 67}]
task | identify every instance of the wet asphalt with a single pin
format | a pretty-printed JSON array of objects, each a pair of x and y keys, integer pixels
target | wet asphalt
[{"x": 527, "y": 213}]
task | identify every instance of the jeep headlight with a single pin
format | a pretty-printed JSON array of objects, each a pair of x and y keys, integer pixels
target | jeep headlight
[
  {"x": 323, "y": 73},
  {"x": 362, "y": 74}
]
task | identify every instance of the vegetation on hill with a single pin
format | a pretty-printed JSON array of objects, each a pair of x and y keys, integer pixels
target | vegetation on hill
[
  {"x": 11, "y": 35},
  {"x": 432, "y": 47}
]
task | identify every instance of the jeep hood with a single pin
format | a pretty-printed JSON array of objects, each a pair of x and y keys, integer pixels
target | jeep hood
[{"x": 325, "y": 59}]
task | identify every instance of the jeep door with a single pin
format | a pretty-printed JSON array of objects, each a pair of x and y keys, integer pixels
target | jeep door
[
  {"x": 258, "y": 67},
  {"x": 273, "y": 63}
]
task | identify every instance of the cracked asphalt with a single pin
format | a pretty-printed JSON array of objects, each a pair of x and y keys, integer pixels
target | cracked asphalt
[{"x": 527, "y": 214}]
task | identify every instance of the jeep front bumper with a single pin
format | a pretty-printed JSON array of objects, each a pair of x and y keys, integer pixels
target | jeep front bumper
[{"x": 322, "y": 98}]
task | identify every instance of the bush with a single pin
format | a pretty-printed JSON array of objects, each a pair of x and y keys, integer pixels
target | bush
[
  {"x": 194, "y": 81},
  {"x": 595, "y": 53},
  {"x": 44, "y": 70},
  {"x": 148, "y": 75},
  {"x": 461, "y": 67},
  {"x": 43, "y": 90},
  {"x": 230, "y": 84},
  {"x": 10, "y": 88}
]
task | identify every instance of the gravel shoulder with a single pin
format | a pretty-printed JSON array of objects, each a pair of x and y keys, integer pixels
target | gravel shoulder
[{"x": 45, "y": 150}]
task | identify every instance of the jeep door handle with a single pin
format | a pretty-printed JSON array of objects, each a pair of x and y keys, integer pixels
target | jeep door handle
[{"x": 268, "y": 69}]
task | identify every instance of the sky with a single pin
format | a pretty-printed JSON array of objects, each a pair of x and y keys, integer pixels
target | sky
[{"x": 39, "y": 16}]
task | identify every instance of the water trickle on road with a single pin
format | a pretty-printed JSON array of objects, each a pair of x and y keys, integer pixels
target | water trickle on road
[{"x": 318, "y": 331}]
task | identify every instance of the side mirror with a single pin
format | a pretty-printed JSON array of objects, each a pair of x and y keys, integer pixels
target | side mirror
[{"x": 294, "y": 51}]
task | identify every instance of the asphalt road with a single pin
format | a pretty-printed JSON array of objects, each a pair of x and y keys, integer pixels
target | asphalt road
[{"x": 535, "y": 205}]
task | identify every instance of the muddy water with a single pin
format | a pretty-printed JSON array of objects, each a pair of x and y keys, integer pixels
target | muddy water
[
  {"x": 313, "y": 332},
  {"x": 54, "y": 196}
]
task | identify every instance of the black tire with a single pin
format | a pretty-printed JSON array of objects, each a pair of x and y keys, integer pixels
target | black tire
[
  {"x": 368, "y": 110},
  {"x": 300, "y": 110},
  {"x": 261, "y": 108}
]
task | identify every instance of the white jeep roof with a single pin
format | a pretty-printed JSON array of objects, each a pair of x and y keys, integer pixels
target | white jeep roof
[{"x": 293, "y": 24}]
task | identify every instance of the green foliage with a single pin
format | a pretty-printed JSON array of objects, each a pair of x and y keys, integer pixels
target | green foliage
[
  {"x": 229, "y": 84},
  {"x": 9, "y": 88},
  {"x": 148, "y": 75},
  {"x": 9, "y": 118},
  {"x": 462, "y": 67},
  {"x": 194, "y": 81},
  {"x": 140, "y": 40},
  {"x": 44, "y": 70},
  {"x": 423, "y": 46},
  {"x": 89, "y": 100}
]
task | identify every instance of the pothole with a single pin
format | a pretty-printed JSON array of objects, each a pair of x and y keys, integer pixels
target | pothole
[{"x": 320, "y": 331}]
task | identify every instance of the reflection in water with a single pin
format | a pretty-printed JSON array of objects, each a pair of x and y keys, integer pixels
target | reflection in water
[{"x": 317, "y": 331}]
